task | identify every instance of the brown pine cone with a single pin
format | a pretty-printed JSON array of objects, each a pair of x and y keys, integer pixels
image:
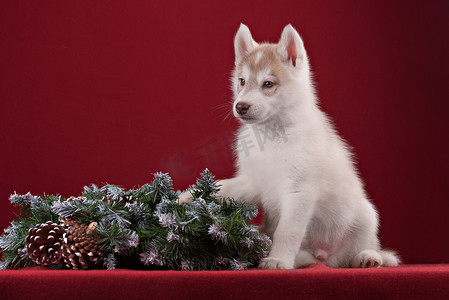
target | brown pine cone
[
  {"x": 81, "y": 249},
  {"x": 67, "y": 221},
  {"x": 43, "y": 243}
]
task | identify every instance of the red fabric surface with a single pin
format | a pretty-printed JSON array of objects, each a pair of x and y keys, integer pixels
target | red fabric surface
[
  {"x": 314, "y": 282},
  {"x": 112, "y": 91}
]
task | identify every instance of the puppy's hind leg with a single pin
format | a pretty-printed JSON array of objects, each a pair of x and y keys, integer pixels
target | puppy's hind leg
[
  {"x": 390, "y": 258},
  {"x": 375, "y": 258},
  {"x": 367, "y": 259}
]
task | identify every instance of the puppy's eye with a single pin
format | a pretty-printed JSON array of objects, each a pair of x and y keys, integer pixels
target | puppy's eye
[
  {"x": 268, "y": 84},
  {"x": 242, "y": 81}
]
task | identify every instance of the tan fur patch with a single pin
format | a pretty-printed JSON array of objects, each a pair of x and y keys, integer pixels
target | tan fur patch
[{"x": 264, "y": 57}]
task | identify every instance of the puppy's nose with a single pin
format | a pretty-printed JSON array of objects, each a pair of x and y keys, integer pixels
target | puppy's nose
[{"x": 242, "y": 108}]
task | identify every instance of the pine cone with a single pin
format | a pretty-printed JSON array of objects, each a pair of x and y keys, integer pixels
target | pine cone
[
  {"x": 81, "y": 249},
  {"x": 43, "y": 243},
  {"x": 67, "y": 221}
]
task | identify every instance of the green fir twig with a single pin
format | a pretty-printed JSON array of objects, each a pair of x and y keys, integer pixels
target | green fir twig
[{"x": 147, "y": 226}]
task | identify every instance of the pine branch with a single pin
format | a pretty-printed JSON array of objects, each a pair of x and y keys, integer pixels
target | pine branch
[
  {"x": 92, "y": 192},
  {"x": 140, "y": 214},
  {"x": 147, "y": 223},
  {"x": 21, "y": 200},
  {"x": 12, "y": 243},
  {"x": 116, "y": 238},
  {"x": 110, "y": 262},
  {"x": 114, "y": 192},
  {"x": 205, "y": 186}
]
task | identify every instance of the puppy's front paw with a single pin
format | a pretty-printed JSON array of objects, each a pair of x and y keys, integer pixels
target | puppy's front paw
[
  {"x": 185, "y": 197},
  {"x": 273, "y": 263}
]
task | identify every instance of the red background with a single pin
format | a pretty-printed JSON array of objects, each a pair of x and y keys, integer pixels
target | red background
[{"x": 112, "y": 91}]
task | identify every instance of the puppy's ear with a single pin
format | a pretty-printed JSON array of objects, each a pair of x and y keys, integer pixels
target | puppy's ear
[
  {"x": 243, "y": 42},
  {"x": 291, "y": 47}
]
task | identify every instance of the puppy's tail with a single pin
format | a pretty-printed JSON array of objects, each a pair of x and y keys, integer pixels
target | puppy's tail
[{"x": 390, "y": 258}]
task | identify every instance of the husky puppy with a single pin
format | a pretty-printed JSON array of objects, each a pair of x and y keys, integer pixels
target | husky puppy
[{"x": 293, "y": 163}]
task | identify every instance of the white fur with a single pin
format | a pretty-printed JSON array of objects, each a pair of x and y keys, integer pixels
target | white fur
[{"x": 302, "y": 175}]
